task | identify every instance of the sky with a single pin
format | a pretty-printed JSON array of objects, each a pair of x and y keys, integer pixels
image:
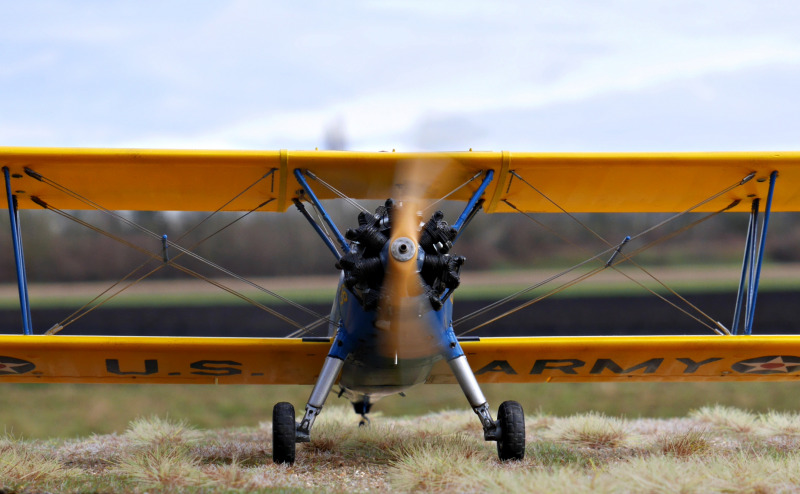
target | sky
[{"x": 407, "y": 75}]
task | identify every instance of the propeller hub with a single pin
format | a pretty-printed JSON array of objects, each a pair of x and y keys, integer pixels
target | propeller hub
[{"x": 403, "y": 249}]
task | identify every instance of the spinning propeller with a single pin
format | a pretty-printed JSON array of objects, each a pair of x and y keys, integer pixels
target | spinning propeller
[
  {"x": 401, "y": 267},
  {"x": 404, "y": 329}
]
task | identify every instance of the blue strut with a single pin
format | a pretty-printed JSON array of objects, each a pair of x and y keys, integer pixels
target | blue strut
[
  {"x": 749, "y": 248},
  {"x": 474, "y": 199},
  {"x": 298, "y": 174},
  {"x": 754, "y": 292},
  {"x": 19, "y": 260}
]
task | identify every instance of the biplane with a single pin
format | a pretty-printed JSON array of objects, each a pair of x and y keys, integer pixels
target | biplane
[{"x": 391, "y": 324}]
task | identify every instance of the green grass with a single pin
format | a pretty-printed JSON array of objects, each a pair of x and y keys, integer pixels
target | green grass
[
  {"x": 70, "y": 410},
  {"x": 326, "y": 295}
]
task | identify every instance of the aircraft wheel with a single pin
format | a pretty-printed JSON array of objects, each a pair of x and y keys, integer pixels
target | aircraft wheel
[
  {"x": 284, "y": 433},
  {"x": 511, "y": 419}
]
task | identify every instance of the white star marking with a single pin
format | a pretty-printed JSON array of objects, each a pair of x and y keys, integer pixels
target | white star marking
[
  {"x": 8, "y": 367},
  {"x": 775, "y": 365}
]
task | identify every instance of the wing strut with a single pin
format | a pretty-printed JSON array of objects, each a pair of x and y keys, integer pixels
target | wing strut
[
  {"x": 751, "y": 264},
  {"x": 322, "y": 234},
  {"x": 325, "y": 216},
  {"x": 468, "y": 209},
  {"x": 19, "y": 258}
]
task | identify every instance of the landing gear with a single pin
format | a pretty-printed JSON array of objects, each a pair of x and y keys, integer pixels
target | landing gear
[
  {"x": 509, "y": 428},
  {"x": 284, "y": 433},
  {"x": 511, "y": 421}
]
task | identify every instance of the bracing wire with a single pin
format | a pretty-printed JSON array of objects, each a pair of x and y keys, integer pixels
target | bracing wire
[
  {"x": 336, "y": 191},
  {"x": 175, "y": 265},
  {"x": 182, "y": 251},
  {"x": 717, "y": 327},
  {"x": 74, "y": 316},
  {"x": 174, "y": 245},
  {"x": 443, "y": 198}
]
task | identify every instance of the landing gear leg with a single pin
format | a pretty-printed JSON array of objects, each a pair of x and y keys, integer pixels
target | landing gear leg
[
  {"x": 283, "y": 442},
  {"x": 508, "y": 430}
]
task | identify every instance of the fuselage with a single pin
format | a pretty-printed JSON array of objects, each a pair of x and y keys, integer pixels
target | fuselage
[{"x": 387, "y": 359}]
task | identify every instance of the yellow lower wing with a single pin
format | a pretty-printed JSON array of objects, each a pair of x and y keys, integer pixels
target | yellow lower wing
[{"x": 92, "y": 359}]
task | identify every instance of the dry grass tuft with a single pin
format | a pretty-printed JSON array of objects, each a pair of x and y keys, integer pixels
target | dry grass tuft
[
  {"x": 449, "y": 464},
  {"x": 94, "y": 452},
  {"x": 683, "y": 444},
  {"x": 726, "y": 419},
  {"x": 230, "y": 476},
  {"x": 742, "y": 473},
  {"x": 155, "y": 432},
  {"x": 592, "y": 430},
  {"x": 21, "y": 468},
  {"x": 160, "y": 467},
  {"x": 784, "y": 424}
]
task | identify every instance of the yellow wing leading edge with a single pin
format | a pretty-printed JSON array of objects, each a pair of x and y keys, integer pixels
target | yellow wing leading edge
[{"x": 122, "y": 179}]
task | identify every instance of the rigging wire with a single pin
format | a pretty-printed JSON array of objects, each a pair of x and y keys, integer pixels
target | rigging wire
[
  {"x": 61, "y": 325},
  {"x": 308, "y": 328},
  {"x": 629, "y": 258},
  {"x": 657, "y": 225},
  {"x": 208, "y": 217},
  {"x": 74, "y": 316},
  {"x": 175, "y": 265},
  {"x": 727, "y": 189},
  {"x": 170, "y": 243},
  {"x": 717, "y": 326},
  {"x": 336, "y": 191},
  {"x": 472, "y": 179}
]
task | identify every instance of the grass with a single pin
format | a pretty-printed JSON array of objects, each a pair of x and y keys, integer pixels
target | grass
[
  {"x": 438, "y": 452},
  {"x": 591, "y": 430},
  {"x": 39, "y": 411}
]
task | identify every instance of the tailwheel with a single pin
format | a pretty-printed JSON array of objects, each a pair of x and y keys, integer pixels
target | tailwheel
[
  {"x": 511, "y": 443},
  {"x": 284, "y": 433}
]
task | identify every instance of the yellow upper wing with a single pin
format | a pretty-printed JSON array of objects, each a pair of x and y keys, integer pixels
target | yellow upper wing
[{"x": 124, "y": 179}]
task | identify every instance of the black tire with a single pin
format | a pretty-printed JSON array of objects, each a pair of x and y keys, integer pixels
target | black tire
[
  {"x": 284, "y": 433},
  {"x": 511, "y": 419}
]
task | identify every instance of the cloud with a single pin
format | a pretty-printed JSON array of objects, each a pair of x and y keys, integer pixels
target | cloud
[{"x": 247, "y": 74}]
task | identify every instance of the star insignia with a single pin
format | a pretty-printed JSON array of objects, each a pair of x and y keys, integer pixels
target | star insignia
[
  {"x": 775, "y": 365},
  {"x": 10, "y": 368}
]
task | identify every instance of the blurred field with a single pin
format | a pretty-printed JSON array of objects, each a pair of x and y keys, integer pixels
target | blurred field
[
  {"x": 65, "y": 410},
  {"x": 481, "y": 285}
]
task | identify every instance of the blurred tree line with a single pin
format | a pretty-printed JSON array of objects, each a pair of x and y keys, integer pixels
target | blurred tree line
[{"x": 272, "y": 244}]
